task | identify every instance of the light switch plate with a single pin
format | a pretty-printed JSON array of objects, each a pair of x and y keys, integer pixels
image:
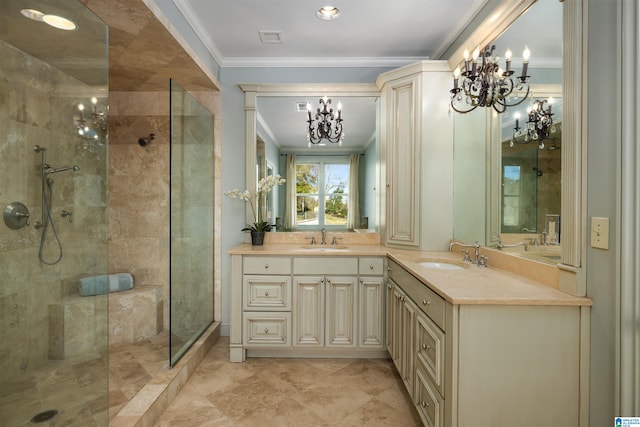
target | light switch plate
[{"x": 600, "y": 233}]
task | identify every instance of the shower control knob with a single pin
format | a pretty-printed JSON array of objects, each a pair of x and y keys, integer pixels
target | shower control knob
[{"x": 16, "y": 215}]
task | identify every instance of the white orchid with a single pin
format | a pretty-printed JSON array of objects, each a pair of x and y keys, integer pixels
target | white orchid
[{"x": 264, "y": 186}]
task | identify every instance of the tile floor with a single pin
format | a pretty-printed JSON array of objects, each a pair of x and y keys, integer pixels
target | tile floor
[
  {"x": 76, "y": 390},
  {"x": 290, "y": 392},
  {"x": 132, "y": 366}
]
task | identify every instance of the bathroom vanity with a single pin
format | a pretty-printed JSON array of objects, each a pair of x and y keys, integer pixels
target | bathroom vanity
[
  {"x": 307, "y": 306},
  {"x": 473, "y": 345}
]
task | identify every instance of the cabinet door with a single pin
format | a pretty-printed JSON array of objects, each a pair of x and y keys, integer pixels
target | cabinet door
[
  {"x": 403, "y": 157},
  {"x": 308, "y": 307},
  {"x": 340, "y": 311},
  {"x": 396, "y": 327},
  {"x": 371, "y": 312},
  {"x": 407, "y": 341},
  {"x": 390, "y": 304}
]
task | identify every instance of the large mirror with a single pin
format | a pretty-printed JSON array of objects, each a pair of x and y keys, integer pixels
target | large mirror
[
  {"x": 531, "y": 177},
  {"x": 511, "y": 197},
  {"x": 329, "y": 185}
]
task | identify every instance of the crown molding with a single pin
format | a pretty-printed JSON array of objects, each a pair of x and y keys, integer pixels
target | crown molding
[
  {"x": 192, "y": 19},
  {"x": 289, "y": 62}
]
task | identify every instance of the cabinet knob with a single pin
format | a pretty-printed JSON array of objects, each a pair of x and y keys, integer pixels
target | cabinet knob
[
  {"x": 425, "y": 302},
  {"x": 426, "y": 347},
  {"x": 403, "y": 299},
  {"x": 266, "y": 266},
  {"x": 266, "y": 293},
  {"x": 361, "y": 281},
  {"x": 424, "y": 404},
  {"x": 266, "y": 330},
  {"x": 328, "y": 281},
  {"x": 371, "y": 267},
  {"x": 389, "y": 269}
]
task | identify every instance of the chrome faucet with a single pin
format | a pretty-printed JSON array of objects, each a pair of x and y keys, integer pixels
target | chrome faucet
[
  {"x": 475, "y": 246},
  {"x": 501, "y": 245},
  {"x": 324, "y": 237}
]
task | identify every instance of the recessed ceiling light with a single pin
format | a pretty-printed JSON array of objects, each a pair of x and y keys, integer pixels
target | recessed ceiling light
[
  {"x": 33, "y": 14},
  {"x": 327, "y": 13},
  {"x": 59, "y": 22},
  {"x": 55, "y": 21}
]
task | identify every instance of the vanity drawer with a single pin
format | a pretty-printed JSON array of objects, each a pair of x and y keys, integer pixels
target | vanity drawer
[
  {"x": 267, "y": 265},
  {"x": 371, "y": 266},
  {"x": 267, "y": 293},
  {"x": 325, "y": 265},
  {"x": 430, "y": 350},
  {"x": 429, "y": 403},
  {"x": 267, "y": 329},
  {"x": 427, "y": 300}
]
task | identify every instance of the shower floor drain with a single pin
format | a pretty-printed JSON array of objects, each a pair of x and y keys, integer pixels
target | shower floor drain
[{"x": 44, "y": 416}]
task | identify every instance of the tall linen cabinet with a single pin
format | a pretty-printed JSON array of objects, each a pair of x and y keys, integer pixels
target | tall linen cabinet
[{"x": 416, "y": 134}]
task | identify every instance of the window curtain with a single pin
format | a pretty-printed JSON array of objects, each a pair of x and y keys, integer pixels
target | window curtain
[
  {"x": 290, "y": 199},
  {"x": 353, "y": 217}
]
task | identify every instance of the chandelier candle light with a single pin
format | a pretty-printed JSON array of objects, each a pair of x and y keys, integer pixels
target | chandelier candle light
[
  {"x": 539, "y": 126},
  {"x": 485, "y": 84},
  {"x": 329, "y": 126},
  {"x": 91, "y": 127}
]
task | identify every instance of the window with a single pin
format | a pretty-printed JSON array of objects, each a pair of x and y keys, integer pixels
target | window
[
  {"x": 322, "y": 193},
  {"x": 511, "y": 196}
]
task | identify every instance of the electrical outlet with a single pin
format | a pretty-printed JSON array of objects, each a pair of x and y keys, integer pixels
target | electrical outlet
[{"x": 600, "y": 233}]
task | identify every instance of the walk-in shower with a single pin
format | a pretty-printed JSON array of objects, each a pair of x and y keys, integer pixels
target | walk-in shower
[{"x": 53, "y": 343}]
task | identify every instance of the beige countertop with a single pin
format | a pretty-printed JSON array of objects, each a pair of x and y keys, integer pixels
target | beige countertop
[{"x": 471, "y": 285}]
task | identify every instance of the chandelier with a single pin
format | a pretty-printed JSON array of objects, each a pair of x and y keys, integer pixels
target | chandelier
[
  {"x": 485, "y": 84},
  {"x": 91, "y": 128},
  {"x": 329, "y": 126},
  {"x": 539, "y": 125}
]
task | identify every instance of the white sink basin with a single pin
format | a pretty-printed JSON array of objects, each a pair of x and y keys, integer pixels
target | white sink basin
[
  {"x": 325, "y": 248},
  {"x": 440, "y": 265}
]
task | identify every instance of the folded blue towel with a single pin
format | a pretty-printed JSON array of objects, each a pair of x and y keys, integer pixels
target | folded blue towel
[{"x": 98, "y": 285}]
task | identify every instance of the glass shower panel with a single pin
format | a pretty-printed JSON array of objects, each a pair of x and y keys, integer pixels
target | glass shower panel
[
  {"x": 53, "y": 175},
  {"x": 191, "y": 250}
]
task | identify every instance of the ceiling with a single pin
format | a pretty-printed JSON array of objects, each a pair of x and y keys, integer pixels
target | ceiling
[{"x": 368, "y": 33}]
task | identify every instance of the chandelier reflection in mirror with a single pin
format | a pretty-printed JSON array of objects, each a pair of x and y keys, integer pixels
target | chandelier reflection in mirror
[
  {"x": 329, "y": 126},
  {"x": 539, "y": 125},
  {"x": 485, "y": 84},
  {"x": 91, "y": 128}
]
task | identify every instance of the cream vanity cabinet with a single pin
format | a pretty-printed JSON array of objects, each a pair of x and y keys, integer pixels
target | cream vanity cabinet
[
  {"x": 416, "y": 137},
  {"x": 307, "y": 306},
  {"x": 483, "y": 364}
]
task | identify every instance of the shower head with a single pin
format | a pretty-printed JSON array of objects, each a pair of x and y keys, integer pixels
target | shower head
[
  {"x": 146, "y": 141},
  {"x": 62, "y": 169}
]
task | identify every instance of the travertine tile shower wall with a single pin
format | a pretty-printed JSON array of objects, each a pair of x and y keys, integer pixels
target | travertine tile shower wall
[
  {"x": 139, "y": 188},
  {"x": 41, "y": 314}
]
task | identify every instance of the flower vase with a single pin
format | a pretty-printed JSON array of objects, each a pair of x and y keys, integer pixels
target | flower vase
[{"x": 257, "y": 238}]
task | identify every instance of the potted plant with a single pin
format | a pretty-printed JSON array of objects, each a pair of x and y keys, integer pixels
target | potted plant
[{"x": 259, "y": 225}]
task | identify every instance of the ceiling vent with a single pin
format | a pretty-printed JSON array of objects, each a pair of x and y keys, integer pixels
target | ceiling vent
[
  {"x": 301, "y": 106},
  {"x": 271, "y": 37}
]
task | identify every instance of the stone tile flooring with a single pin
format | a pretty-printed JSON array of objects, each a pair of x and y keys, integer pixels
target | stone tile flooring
[
  {"x": 78, "y": 391},
  {"x": 132, "y": 366},
  {"x": 291, "y": 392}
]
